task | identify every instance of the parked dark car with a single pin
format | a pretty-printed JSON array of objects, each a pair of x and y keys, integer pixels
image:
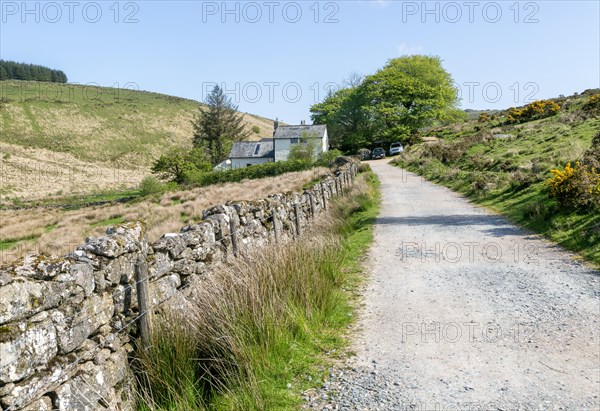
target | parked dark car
[{"x": 378, "y": 153}]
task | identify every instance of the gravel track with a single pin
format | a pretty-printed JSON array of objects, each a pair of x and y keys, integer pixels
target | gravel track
[{"x": 465, "y": 311}]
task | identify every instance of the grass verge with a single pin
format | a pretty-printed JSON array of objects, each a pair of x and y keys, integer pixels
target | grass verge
[{"x": 259, "y": 333}]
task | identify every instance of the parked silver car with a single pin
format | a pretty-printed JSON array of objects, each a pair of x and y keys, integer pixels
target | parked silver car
[{"x": 396, "y": 148}]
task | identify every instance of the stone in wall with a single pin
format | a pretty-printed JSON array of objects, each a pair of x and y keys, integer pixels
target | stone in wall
[
  {"x": 31, "y": 345},
  {"x": 72, "y": 332}
]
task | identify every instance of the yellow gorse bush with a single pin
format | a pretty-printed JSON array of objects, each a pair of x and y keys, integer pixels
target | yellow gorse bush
[
  {"x": 575, "y": 187},
  {"x": 532, "y": 111},
  {"x": 593, "y": 103},
  {"x": 557, "y": 182}
]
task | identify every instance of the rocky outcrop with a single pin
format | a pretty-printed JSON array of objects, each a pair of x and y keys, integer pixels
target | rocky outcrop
[{"x": 68, "y": 324}]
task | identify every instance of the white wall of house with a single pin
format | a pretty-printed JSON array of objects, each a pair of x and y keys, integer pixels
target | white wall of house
[
  {"x": 283, "y": 146},
  {"x": 282, "y": 149},
  {"x": 243, "y": 162}
]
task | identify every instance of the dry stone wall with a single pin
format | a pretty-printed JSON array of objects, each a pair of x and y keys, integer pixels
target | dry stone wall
[{"x": 67, "y": 325}]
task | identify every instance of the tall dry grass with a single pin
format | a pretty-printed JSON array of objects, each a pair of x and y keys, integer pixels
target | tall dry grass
[
  {"x": 245, "y": 332},
  {"x": 57, "y": 232}
]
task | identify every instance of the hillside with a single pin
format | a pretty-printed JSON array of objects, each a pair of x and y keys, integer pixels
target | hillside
[
  {"x": 59, "y": 139},
  {"x": 505, "y": 166}
]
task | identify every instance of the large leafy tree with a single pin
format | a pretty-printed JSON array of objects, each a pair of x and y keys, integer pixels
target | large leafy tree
[
  {"x": 393, "y": 104},
  {"x": 407, "y": 94},
  {"x": 218, "y": 126},
  {"x": 347, "y": 122}
]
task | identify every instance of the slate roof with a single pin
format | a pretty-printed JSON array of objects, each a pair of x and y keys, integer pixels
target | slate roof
[
  {"x": 247, "y": 149},
  {"x": 300, "y": 131}
]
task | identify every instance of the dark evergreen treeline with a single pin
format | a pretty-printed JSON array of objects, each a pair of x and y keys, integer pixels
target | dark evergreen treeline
[{"x": 10, "y": 70}]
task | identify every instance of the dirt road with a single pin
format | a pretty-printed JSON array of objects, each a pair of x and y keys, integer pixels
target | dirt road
[{"x": 465, "y": 311}]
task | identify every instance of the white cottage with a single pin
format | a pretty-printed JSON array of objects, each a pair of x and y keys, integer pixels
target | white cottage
[
  {"x": 287, "y": 136},
  {"x": 248, "y": 153}
]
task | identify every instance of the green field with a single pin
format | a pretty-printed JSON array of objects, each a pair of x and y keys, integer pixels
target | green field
[
  {"x": 95, "y": 123},
  {"x": 88, "y": 138}
]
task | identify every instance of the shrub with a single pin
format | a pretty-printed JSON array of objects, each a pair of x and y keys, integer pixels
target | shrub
[
  {"x": 446, "y": 152},
  {"x": 303, "y": 152},
  {"x": 364, "y": 167},
  {"x": 256, "y": 129},
  {"x": 179, "y": 162},
  {"x": 539, "y": 212},
  {"x": 201, "y": 179},
  {"x": 484, "y": 118},
  {"x": 479, "y": 182},
  {"x": 521, "y": 179},
  {"x": 151, "y": 185},
  {"x": 593, "y": 104},
  {"x": 576, "y": 187},
  {"x": 536, "y": 110},
  {"x": 327, "y": 158},
  {"x": 592, "y": 156}
]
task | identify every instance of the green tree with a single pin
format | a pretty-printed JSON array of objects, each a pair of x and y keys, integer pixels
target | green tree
[
  {"x": 178, "y": 163},
  {"x": 407, "y": 94},
  {"x": 21, "y": 71},
  {"x": 393, "y": 104},
  {"x": 218, "y": 126},
  {"x": 348, "y": 124}
]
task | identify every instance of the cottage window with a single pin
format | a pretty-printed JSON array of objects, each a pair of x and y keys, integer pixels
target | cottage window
[
  {"x": 294, "y": 140},
  {"x": 257, "y": 148}
]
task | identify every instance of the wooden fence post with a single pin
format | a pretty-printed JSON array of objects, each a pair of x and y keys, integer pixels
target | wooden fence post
[
  {"x": 324, "y": 196},
  {"x": 312, "y": 205},
  {"x": 143, "y": 298},
  {"x": 297, "y": 212},
  {"x": 275, "y": 224},
  {"x": 234, "y": 236}
]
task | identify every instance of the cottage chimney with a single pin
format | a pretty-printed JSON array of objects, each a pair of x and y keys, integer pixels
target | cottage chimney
[
  {"x": 275, "y": 127},
  {"x": 302, "y": 122}
]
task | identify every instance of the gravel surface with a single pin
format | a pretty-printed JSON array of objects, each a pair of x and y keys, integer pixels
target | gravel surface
[{"x": 465, "y": 311}]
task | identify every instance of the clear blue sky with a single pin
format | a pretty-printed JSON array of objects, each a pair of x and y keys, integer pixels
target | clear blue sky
[{"x": 519, "y": 49}]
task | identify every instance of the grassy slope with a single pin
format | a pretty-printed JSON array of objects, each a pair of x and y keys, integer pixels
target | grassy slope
[
  {"x": 508, "y": 175},
  {"x": 70, "y": 130}
]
